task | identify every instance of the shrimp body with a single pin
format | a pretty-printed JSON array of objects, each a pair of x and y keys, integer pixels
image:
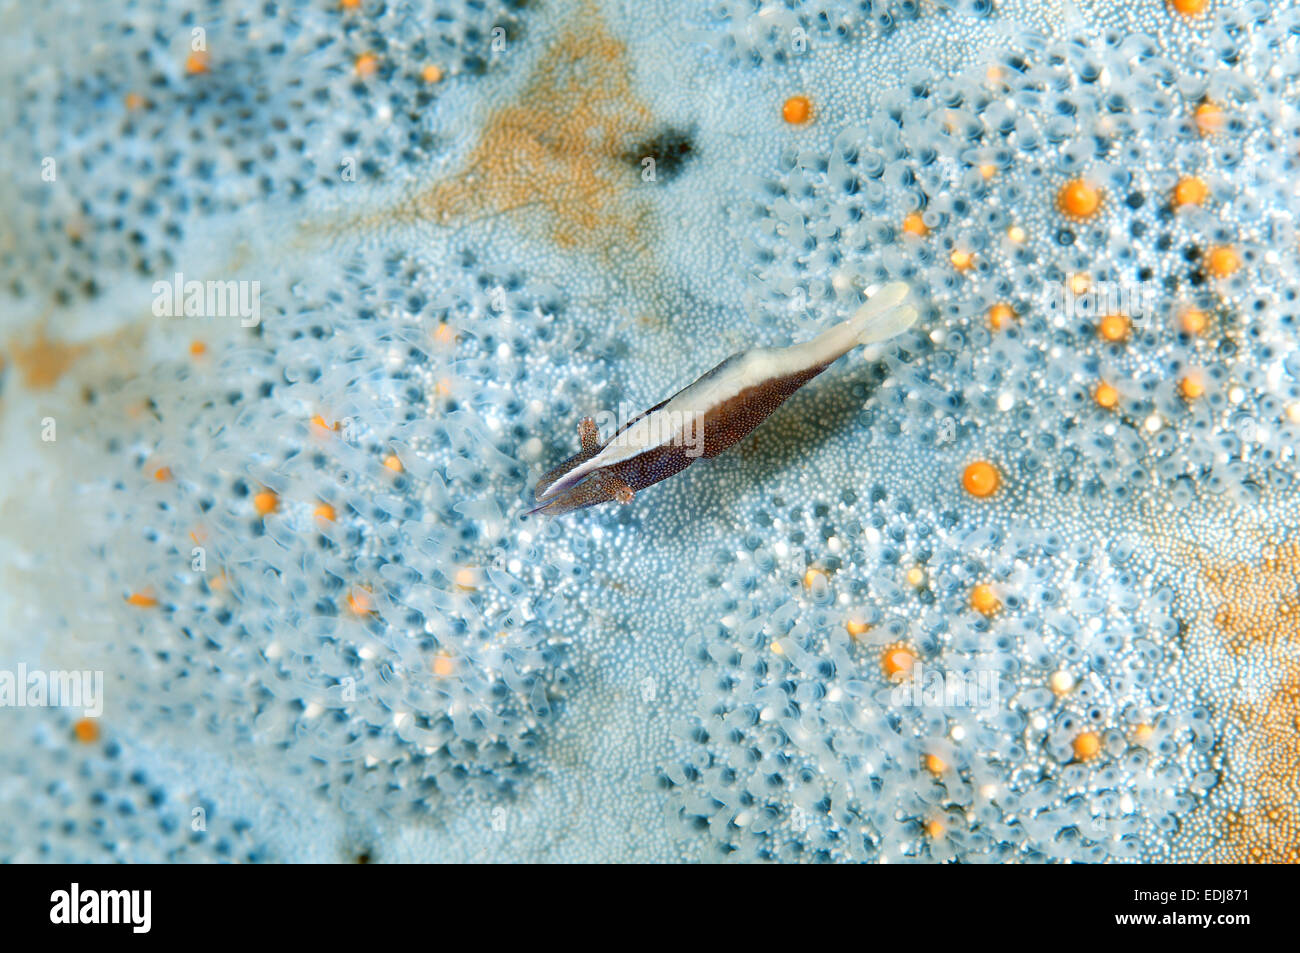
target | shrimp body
[{"x": 710, "y": 415}]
